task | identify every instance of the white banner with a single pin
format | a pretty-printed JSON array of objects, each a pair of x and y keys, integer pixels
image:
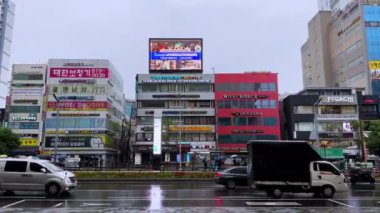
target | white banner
[{"x": 157, "y": 136}]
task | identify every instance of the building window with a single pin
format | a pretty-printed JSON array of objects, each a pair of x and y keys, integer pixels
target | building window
[
  {"x": 210, "y": 137},
  {"x": 303, "y": 109},
  {"x": 250, "y": 104},
  {"x": 220, "y": 87},
  {"x": 220, "y": 104},
  {"x": 249, "y": 87},
  {"x": 227, "y": 104},
  {"x": 164, "y": 87},
  {"x": 148, "y": 87},
  {"x": 258, "y": 104},
  {"x": 272, "y": 104},
  {"x": 199, "y": 87},
  {"x": 235, "y": 104},
  {"x": 234, "y": 87},
  {"x": 243, "y": 104},
  {"x": 265, "y": 104},
  {"x": 224, "y": 121},
  {"x": 264, "y": 87},
  {"x": 27, "y": 77},
  {"x": 270, "y": 121},
  {"x": 242, "y": 121},
  {"x": 331, "y": 109},
  {"x": 254, "y": 121},
  {"x": 24, "y": 109},
  {"x": 272, "y": 87},
  {"x": 227, "y": 87},
  {"x": 204, "y": 104},
  {"x": 304, "y": 126},
  {"x": 203, "y": 137},
  {"x": 242, "y": 87},
  {"x": 152, "y": 104},
  {"x": 257, "y": 87}
]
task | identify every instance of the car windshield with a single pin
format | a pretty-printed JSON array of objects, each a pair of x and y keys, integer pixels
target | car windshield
[{"x": 51, "y": 167}]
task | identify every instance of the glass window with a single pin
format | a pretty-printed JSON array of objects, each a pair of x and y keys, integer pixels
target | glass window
[
  {"x": 243, "y": 104},
  {"x": 220, "y": 87},
  {"x": 242, "y": 121},
  {"x": 30, "y": 77},
  {"x": 258, "y": 104},
  {"x": 210, "y": 137},
  {"x": 25, "y": 109},
  {"x": 35, "y": 167},
  {"x": 254, "y": 121},
  {"x": 15, "y": 166},
  {"x": 226, "y": 87},
  {"x": 235, "y": 121},
  {"x": 234, "y": 87},
  {"x": 250, "y": 104},
  {"x": 242, "y": 87},
  {"x": 264, "y": 87},
  {"x": 270, "y": 121},
  {"x": 235, "y": 104},
  {"x": 257, "y": 87},
  {"x": 224, "y": 121},
  {"x": 164, "y": 87},
  {"x": 272, "y": 104},
  {"x": 152, "y": 104},
  {"x": 199, "y": 87},
  {"x": 148, "y": 87},
  {"x": 272, "y": 87},
  {"x": 227, "y": 104},
  {"x": 220, "y": 104},
  {"x": 204, "y": 104},
  {"x": 265, "y": 104},
  {"x": 326, "y": 168},
  {"x": 249, "y": 87},
  {"x": 203, "y": 137}
]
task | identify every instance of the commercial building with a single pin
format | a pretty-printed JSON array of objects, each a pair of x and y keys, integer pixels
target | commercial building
[
  {"x": 89, "y": 98},
  {"x": 350, "y": 52},
  {"x": 185, "y": 104},
  {"x": 324, "y": 115},
  {"x": 26, "y": 106},
  {"x": 246, "y": 108},
  {"x": 7, "y": 10}
]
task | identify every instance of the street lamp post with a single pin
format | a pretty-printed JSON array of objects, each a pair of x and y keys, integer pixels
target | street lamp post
[
  {"x": 56, "y": 128},
  {"x": 316, "y": 122}
]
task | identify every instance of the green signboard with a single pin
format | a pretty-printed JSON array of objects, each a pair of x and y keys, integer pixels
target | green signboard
[{"x": 330, "y": 153}]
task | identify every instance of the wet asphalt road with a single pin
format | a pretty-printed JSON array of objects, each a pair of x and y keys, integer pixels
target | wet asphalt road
[{"x": 187, "y": 197}]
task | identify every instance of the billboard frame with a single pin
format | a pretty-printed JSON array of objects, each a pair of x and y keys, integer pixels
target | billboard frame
[{"x": 174, "y": 71}]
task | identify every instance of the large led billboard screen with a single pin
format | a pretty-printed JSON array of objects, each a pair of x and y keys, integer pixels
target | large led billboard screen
[{"x": 175, "y": 55}]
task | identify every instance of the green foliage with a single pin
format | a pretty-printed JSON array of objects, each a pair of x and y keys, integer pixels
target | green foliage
[
  {"x": 356, "y": 126},
  {"x": 141, "y": 175},
  {"x": 8, "y": 141},
  {"x": 373, "y": 143}
]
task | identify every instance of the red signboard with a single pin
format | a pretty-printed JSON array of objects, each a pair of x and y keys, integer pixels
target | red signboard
[
  {"x": 79, "y": 104},
  {"x": 79, "y": 73}
]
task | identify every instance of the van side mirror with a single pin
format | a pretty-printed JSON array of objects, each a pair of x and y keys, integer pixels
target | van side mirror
[
  {"x": 43, "y": 170},
  {"x": 336, "y": 172}
]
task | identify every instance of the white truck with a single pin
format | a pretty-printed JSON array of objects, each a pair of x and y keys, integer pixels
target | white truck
[{"x": 291, "y": 166}]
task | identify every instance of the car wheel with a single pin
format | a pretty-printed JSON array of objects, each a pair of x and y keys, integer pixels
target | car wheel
[
  {"x": 231, "y": 184},
  {"x": 328, "y": 191},
  {"x": 53, "y": 189},
  {"x": 277, "y": 193}
]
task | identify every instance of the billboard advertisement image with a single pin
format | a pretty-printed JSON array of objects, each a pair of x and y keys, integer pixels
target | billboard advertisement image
[{"x": 175, "y": 55}]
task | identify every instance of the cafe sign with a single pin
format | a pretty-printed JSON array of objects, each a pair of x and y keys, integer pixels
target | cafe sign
[
  {"x": 339, "y": 100},
  {"x": 190, "y": 129}
]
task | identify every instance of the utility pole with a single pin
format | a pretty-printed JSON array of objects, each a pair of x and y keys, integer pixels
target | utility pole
[{"x": 56, "y": 128}]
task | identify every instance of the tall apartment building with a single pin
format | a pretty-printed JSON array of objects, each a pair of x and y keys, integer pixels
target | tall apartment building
[
  {"x": 353, "y": 53},
  {"x": 7, "y": 10},
  {"x": 90, "y": 94},
  {"x": 185, "y": 102},
  {"x": 26, "y": 106}
]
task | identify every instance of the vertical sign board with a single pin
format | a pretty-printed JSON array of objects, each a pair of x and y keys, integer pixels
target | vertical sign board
[{"x": 157, "y": 136}]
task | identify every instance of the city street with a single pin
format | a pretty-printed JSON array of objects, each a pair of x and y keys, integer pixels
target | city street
[{"x": 187, "y": 197}]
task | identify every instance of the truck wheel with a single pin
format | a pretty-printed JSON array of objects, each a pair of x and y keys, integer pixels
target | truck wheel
[
  {"x": 52, "y": 189},
  {"x": 328, "y": 191},
  {"x": 231, "y": 184},
  {"x": 277, "y": 193}
]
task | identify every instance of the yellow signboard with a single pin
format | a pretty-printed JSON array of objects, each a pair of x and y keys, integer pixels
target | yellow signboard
[
  {"x": 26, "y": 142},
  {"x": 190, "y": 128},
  {"x": 374, "y": 67}
]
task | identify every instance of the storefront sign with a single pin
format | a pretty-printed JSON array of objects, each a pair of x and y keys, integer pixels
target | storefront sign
[
  {"x": 77, "y": 142},
  {"x": 76, "y": 114},
  {"x": 336, "y": 135},
  {"x": 25, "y": 101},
  {"x": 79, "y": 104},
  {"x": 78, "y": 109},
  {"x": 147, "y": 128},
  {"x": 175, "y": 96},
  {"x": 333, "y": 117},
  {"x": 184, "y": 112},
  {"x": 356, "y": 20},
  {"x": 86, "y": 98},
  {"x": 247, "y": 131},
  {"x": 174, "y": 79},
  {"x": 79, "y": 89},
  {"x": 25, "y": 142},
  {"x": 78, "y": 64},
  {"x": 31, "y": 117},
  {"x": 27, "y": 85},
  {"x": 246, "y": 96},
  {"x": 371, "y": 2},
  {"x": 27, "y": 135},
  {"x": 83, "y": 131},
  {"x": 79, "y": 73},
  {"x": 77, "y": 81},
  {"x": 247, "y": 114},
  {"x": 149, "y": 112},
  {"x": 190, "y": 128},
  {"x": 24, "y": 125},
  {"x": 344, "y": 99},
  {"x": 26, "y": 92}
]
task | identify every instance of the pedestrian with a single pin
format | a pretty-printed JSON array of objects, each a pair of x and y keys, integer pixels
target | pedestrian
[
  {"x": 205, "y": 164},
  {"x": 234, "y": 161}
]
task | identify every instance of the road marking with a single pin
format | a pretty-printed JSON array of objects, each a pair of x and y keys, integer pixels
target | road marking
[
  {"x": 95, "y": 204},
  {"x": 343, "y": 204},
  {"x": 22, "y": 197},
  {"x": 57, "y": 205},
  {"x": 273, "y": 204},
  {"x": 12, "y": 204}
]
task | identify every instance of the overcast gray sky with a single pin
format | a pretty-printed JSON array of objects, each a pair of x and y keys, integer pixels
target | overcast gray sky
[{"x": 238, "y": 35}]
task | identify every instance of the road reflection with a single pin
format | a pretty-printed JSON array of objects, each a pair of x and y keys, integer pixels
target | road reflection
[{"x": 155, "y": 197}]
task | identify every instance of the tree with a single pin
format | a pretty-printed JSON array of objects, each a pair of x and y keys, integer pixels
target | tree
[
  {"x": 8, "y": 141},
  {"x": 373, "y": 143}
]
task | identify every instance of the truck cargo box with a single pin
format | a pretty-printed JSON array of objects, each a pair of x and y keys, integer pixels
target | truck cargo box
[{"x": 285, "y": 161}]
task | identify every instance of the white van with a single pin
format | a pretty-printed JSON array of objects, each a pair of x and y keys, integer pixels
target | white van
[{"x": 34, "y": 175}]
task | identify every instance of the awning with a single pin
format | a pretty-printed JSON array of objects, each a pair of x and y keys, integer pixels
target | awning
[{"x": 330, "y": 153}]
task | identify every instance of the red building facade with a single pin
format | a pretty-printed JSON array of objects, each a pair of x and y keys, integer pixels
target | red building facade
[{"x": 247, "y": 108}]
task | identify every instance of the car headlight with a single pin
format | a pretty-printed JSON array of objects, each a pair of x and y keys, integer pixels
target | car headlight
[{"x": 67, "y": 180}]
